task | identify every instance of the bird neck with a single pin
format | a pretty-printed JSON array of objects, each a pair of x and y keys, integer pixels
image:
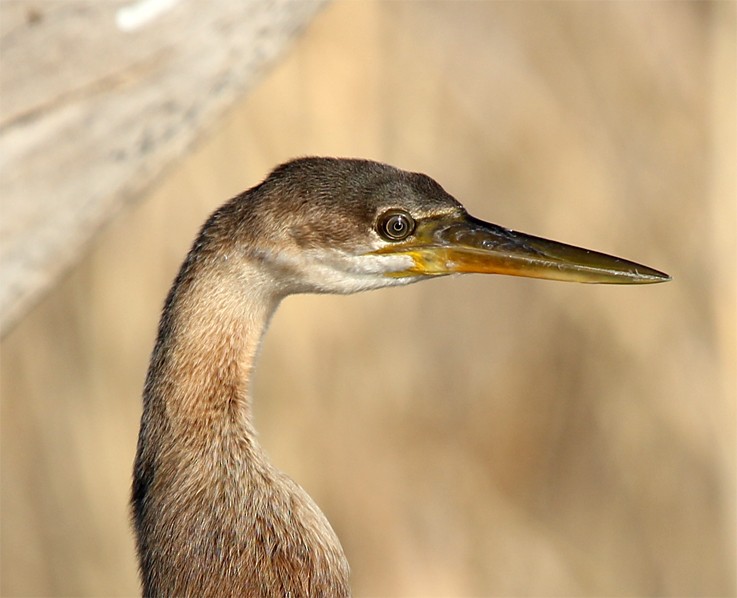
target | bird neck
[
  {"x": 212, "y": 516},
  {"x": 217, "y": 325}
]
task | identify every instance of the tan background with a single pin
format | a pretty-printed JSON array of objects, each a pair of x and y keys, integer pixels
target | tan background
[{"x": 475, "y": 436}]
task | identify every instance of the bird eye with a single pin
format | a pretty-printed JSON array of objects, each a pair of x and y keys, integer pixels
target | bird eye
[{"x": 396, "y": 225}]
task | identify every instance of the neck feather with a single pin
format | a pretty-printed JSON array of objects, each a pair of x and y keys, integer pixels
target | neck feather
[
  {"x": 202, "y": 365},
  {"x": 212, "y": 516}
]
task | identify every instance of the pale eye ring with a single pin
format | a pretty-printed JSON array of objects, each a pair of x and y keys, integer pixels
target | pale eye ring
[{"x": 396, "y": 225}]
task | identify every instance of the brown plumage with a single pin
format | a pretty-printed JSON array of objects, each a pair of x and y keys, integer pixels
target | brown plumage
[{"x": 212, "y": 516}]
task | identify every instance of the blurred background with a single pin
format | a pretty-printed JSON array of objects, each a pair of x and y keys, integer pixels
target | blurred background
[{"x": 477, "y": 436}]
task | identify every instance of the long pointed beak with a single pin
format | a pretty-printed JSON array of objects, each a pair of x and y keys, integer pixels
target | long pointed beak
[{"x": 463, "y": 244}]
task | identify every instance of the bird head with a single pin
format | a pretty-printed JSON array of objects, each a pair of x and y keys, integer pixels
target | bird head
[{"x": 341, "y": 226}]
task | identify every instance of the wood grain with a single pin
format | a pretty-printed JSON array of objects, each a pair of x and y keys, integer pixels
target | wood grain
[{"x": 93, "y": 111}]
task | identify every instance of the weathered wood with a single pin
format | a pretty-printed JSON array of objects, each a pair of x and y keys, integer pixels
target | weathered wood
[{"x": 97, "y": 98}]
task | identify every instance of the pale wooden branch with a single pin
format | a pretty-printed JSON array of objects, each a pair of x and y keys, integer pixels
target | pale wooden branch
[{"x": 96, "y": 101}]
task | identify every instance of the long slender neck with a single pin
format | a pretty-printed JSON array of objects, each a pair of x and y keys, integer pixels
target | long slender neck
[
  {"x": 212, "y": 516},
  {"x": 201, "y": 368}
]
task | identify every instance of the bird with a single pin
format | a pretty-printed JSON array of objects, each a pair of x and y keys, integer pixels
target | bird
[{"x": 211, "y": 515}]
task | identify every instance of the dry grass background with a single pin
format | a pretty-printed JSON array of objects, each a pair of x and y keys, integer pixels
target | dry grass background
[{"x": 469, "y": 436}]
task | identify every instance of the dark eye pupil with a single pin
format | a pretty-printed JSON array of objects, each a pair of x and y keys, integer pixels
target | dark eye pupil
[{"x": 396, "y": 226}]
